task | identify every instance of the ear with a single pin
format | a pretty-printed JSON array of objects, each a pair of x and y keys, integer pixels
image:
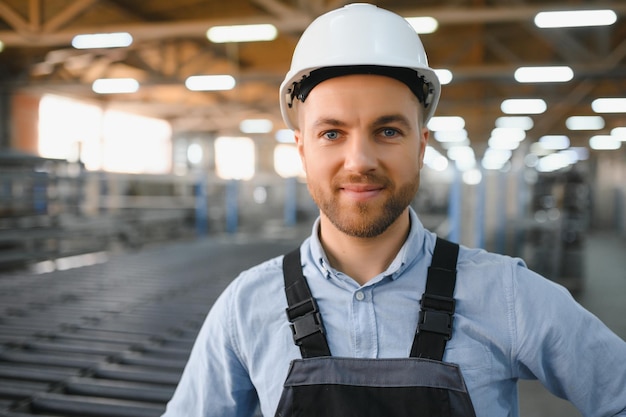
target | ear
[
  {"x": 300, "y": 145},
  {"x": 425, "y": 134}
]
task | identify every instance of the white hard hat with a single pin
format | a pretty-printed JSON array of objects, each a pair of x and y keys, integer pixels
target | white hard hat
[{"x": 359, "y": 38}]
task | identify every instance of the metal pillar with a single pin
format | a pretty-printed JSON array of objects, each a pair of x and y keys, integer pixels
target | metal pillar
[
  {"x": 232, "y": 206},
  {"x": 291, "y": 201}
]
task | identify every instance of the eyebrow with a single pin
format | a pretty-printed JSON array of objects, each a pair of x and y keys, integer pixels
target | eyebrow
[
  {"x": 392, "y": 118},
  {"x": 328, "y": 121},
  {"x": 380, "y": 121}
]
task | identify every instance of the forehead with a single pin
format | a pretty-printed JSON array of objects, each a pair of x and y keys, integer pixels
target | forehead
[{"x": 359, "y": 97}]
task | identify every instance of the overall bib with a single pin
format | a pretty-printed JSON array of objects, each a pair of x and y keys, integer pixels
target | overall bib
[{"x": 419, "y": 386}]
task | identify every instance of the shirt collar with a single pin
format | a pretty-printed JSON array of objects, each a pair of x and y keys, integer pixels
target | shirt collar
[{"x": 412, "y": 248}]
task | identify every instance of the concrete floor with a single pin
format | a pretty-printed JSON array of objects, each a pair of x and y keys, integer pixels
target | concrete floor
[{"x": 153, "y": 302}]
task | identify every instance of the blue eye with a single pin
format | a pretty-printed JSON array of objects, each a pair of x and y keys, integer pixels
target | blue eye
[
  {"x": 389, "y": 132},
  {"x": 332, "y": 135}
]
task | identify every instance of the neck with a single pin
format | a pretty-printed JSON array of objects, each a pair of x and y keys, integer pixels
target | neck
[{"x": 363, "y": 258}]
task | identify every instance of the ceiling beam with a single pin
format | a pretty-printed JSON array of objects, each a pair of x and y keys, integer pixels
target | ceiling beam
[{"x": 197, "y": 29}]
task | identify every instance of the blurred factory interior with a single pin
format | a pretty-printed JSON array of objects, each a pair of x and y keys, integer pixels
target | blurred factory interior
[{"x": 125, "y": 165}]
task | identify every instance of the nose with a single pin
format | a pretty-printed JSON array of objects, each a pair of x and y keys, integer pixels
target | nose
[{"x": 360, "y": 154}]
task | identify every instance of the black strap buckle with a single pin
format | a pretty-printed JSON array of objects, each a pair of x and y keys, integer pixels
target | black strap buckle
[
  {"x": 305, "y": 320},
  {"x": 437, "y": 314}
]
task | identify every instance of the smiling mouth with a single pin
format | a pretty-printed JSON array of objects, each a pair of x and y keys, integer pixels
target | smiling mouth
[{"x": 362, "y": 191}]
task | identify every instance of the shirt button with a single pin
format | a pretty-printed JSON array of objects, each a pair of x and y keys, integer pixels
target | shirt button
[{"x": 360, "y": 296}]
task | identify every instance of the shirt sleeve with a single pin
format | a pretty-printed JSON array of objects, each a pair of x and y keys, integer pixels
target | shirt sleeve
[
  {"x": 214, "y": 382},
  {"x": 567, "y": 348}
]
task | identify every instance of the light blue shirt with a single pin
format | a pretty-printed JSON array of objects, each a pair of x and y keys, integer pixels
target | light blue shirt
[{"x": 510, "y": 323}]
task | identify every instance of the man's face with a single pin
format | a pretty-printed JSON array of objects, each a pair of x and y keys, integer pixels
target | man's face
[{"x": 362, "y": 146}]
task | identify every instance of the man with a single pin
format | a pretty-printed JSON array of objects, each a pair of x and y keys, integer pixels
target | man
[{"x": 390, "y": 320}]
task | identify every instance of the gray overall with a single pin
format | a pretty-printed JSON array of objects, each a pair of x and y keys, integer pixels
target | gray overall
[{"x": 419, "y": 386}]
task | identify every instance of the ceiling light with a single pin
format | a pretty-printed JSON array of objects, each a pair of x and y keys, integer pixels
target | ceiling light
[
  {"x": 102, "y": 40},
  {"x": 495, "y": 158},
  {"x": 472, "y": 177},
  {"x": 444, "y": 75},
  {"x": 446, "y": 123},
  {"x": 575, "y": 18},
  {"x": 543, "y": 74},
  {"x": 502, "y": 143},
  {"x": 256, "y": 126},
  {"x": 459, "y": 153},
  {"x": 210, "y": 82},
  {"x": 451, "y": 136},
  {"x": 619, "y": 133},
  {"x": 242, "y": 33},
  {"x": 524, "y": 106},
  {"x": 520, "y": 122},
  {"x": 285, "y": 136},
  {"x": 510, "y": 133},
  {"x": 1, "y": 46},
  {"x": 585, "y": 123},
  {"x": 553, "y": 162},
  {"x": 434, "y": 160},
  {"x": 115, "y": 85},
  {"x": 605, "y": 143},
  {"x": 609, "y": 105},
  {"x": 554, "y": 142},
  {"x": 423, "y": 25}
]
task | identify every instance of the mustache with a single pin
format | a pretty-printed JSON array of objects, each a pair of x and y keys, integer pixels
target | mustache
[{"x": 362, "y": 179}]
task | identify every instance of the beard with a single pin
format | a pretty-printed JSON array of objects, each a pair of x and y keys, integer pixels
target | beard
[{"x": 365, "y": 219}]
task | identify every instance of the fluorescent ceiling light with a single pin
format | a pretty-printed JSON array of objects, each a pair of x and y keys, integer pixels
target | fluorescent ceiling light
[
  {"x": 502, "y": 143},
  {"x": 459, "y": 153},
  {"x": 210, "y": 82},
  {"x": 605, "y": 143},
  {"x": 444, "y": 75},
  {"x": 553, "y": 162},
  {"x": 575, "y": 18},
  {"x": 554, "y": 142},
  {"x": 115, "y": 85},
  {"x": 242, "y": 33},
  {"x": 495, "y": 158},
  {"x": 451, "y": 136},
  {"x": 102, "y": 40},
  {"x": 285, "y": 136},
  {"x": 472, "y": 176},
  {"x": 609, "y": 105},
  {"x": 434, "y": 160},
  {"x": 423, "y": 25},
  {"x": 620, "y": 133},
  {"x": 256, "y": 126},
  {"x": 524, "y": 106},
  {"x": 446, "y": 123},
  {"x": 510, "y": 133},
  {"x": 520, "y": 122},
  {"x": 557, "y": 74},
  {"x": 585, "y": 123}
]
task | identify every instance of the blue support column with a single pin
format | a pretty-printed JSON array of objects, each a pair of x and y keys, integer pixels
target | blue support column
[
  {"x": 202, "y": 206},
  {"x": 479, "y": 233},
  {"x": 454, "y": 207},
  {"x": 291, "y": 201},
  {"x": 232, "y": 206}
]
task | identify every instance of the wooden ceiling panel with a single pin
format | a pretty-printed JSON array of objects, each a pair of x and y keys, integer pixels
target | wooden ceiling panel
[{"x": 481, "y": 41}]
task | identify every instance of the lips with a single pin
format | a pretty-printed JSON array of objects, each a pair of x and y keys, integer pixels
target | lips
[{"x": 361, "y": 192}]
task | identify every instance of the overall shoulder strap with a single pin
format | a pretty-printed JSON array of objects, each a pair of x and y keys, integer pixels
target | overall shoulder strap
[
  {"x": 302, "y": 311},
  {"x": 437, "y": 305}
]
